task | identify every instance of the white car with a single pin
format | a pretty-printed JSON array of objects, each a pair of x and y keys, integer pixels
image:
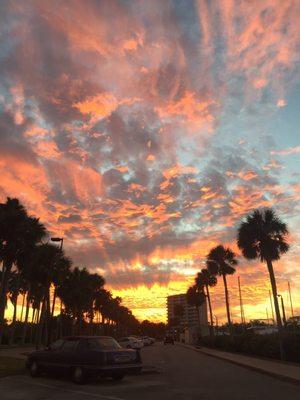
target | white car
[
  {"x": 147, "y": 340},
  {"x": 130, "y": 342}
]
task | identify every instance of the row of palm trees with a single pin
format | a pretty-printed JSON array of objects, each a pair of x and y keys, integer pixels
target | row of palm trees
[
  {"x": 261, "y": 235},
  {"x": 43, "y": 275}
]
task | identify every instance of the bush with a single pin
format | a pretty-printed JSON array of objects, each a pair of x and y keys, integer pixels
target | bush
[{"x": 257, "y": 345}]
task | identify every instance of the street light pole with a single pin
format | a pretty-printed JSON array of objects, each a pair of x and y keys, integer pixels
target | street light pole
[{"x": 61, "y": 240}]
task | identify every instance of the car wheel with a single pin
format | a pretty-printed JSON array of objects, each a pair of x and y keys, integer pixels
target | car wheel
[
  {"x": 118, "y": 377},
  {"x": 78, "y": 375},
  {"x": 34, "y": 369}
]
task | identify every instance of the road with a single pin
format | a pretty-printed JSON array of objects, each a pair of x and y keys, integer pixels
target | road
[{"x": 183, "y": 374}]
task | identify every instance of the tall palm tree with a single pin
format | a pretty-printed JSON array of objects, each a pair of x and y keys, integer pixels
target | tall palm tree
[
  {"x": 78, "y": 292},
  {"x": 206, "y": 279},
  {"x": 102, "y": 301},
  {"x": 196, "y": 297},
  {"x": 16, "y": 285},
  {"x": 221, "y": 261},
  {"x": 18, "y": 233},
  {"x": 262, "y": 235},
  {"x": 41, "y": 267}
]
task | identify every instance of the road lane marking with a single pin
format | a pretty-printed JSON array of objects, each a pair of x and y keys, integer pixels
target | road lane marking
[{"x": 99, "y": 396}]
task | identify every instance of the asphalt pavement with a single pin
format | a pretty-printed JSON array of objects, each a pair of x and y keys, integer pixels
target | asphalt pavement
[{"x": 179, "y": 374}]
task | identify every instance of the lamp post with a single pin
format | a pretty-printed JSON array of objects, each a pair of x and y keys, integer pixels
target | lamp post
[
  {"x": 283, "y": 310},
  {"x": 61, "y": 240}
]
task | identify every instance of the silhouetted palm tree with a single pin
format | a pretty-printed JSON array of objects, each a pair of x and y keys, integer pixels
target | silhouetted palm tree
[
  {"x": 196, "y": 297},
  {"x": 206, "y": 279},
  {"x": 221, "y": 261},
  {"x": 16, "y": 285},
  {"x": 263, "y": 236},
  {"x": 18, "y": 233},
  {"x": 102, "y": 300},
  {"x": 78, "y": 292}
]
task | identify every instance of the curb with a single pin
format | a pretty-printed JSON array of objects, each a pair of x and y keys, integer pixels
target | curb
[{"x": 241, "y": 364}]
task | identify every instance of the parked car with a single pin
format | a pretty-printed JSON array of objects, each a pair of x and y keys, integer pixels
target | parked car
[
  {"x": 147, "y": 341},
  {"x": 85, "y": 356},
  {"x": 169, "y": 339},
  {"x": 131, "y": 342}
]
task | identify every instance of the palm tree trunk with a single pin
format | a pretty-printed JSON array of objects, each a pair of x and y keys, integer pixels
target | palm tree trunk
[
  {"x": 32, "y": 325},
  {"x": 53, "y": 302},
  {"x": 26, "y": 319},
  {"x": 199, "y": 322},
  {"x": 61, "y": 320},
  {"x": 227, "y": 302},
  {"x": 13, "y": 324},
  {"x": 277, "y": 310},
  {"x": 51, "y": 315},
  {"x": 22, "y": 309},
  {"x": 274, "y": 291},
  {"x": 209, "y": 306},
  {"x": 47, "y": 319},
  {"x": 6, "y": 268},
  {"x": 37, "y": 320},
  {"x": 41, "y": 324},
  {"x": 15, "y": 304}
]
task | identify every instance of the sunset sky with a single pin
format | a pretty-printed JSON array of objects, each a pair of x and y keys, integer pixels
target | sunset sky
[{"x": 142, "y": 131}]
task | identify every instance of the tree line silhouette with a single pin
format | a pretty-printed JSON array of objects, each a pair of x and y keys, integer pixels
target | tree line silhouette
[{"x": 34, "y": 268}]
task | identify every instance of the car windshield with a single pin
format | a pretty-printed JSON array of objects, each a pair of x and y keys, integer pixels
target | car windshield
[{"x": 103, "y": 343}]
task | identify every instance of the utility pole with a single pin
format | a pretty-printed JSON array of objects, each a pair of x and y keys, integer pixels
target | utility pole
[
  {"x": 241, "y": 302},
  {"x": 272, "y": 310},
  {"x": 290, "y": 295}
]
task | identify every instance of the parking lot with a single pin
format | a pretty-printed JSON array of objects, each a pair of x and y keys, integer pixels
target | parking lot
[{"x": 172, "y": 372}]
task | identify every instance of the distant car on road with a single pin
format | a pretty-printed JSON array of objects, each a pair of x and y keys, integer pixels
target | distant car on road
[
  {"x": 169, "y": 339},
  {"x": 85, "y": 356},
  {"x": 263, "y": 329},
  {"x": 131, "y": 342}
]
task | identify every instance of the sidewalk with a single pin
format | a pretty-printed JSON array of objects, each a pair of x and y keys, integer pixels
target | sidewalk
[
  {"x": 286, "y": 371},
  {"x": 16, "y": 352}
]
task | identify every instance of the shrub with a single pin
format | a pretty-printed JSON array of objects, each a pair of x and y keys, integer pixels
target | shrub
[{"x": 257, "y": 345}]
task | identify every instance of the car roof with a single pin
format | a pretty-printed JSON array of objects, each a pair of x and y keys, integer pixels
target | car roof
[{"x": 86, "y": 337}]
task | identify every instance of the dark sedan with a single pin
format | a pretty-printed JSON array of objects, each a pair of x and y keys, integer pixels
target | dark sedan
[{"x": 85, "y": 356}]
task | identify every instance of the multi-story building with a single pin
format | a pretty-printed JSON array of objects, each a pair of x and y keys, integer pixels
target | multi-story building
[{"x": 183, "y": 315}]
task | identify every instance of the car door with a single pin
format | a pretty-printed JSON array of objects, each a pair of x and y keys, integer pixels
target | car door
[
  {"x": 48, "y": 358},
  {"x": 66, "y": 357}
]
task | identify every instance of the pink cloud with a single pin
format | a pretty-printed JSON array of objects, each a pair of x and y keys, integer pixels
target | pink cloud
[{"x": 287, "y": 152}]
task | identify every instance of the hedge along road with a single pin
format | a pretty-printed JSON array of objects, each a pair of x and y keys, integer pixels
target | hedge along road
[{"x": 184, "y": 374}]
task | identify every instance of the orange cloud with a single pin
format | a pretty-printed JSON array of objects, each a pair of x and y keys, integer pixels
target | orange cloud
[{"x": 99, "y": 106}]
